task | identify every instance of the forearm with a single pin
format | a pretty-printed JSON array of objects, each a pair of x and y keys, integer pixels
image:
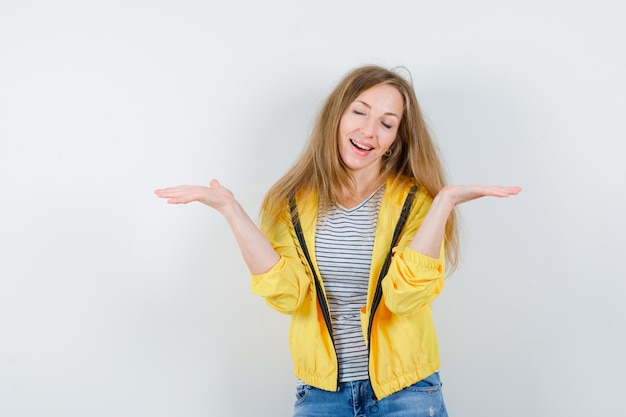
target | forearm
[
  {"x": 429, "y": 237},
  {"x": 257, "y": 251}
]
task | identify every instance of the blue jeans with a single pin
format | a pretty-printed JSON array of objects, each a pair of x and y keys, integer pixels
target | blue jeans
[{"x": 356, "y": 399}]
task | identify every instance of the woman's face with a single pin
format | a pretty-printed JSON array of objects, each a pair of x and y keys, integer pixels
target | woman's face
[{"x": 368, "y": 128}]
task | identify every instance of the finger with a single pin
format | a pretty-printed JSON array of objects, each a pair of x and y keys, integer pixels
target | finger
[
  {"x": 162, "y": 191},
  {"x": 168, "y": 192},
  {"x": 177, "y": 201},
  {"x": 171, "y": 191},
  {"x": 499, "y": 191},
  {"x": 510, "y": 190}
]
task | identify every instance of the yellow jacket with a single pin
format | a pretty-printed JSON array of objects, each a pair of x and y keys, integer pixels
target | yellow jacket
[{"x": 403, "y": 345}]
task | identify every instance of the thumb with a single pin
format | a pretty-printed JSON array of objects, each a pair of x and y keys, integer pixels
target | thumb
[{"x": 214, "y": 183}]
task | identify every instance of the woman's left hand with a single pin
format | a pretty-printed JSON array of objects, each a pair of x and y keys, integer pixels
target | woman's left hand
[
  {"x": 459, "y": 194},
  {"x": 430, "y": 235}
]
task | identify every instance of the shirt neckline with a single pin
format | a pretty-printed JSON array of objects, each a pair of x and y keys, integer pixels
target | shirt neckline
[{"x": 362, "y": 203}]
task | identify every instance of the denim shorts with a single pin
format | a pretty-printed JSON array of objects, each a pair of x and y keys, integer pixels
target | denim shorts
[{"x": 356, "y": 399}]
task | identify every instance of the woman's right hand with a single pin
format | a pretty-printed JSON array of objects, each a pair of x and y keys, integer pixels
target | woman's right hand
[
  {"x": 214, "y": 195},
  {"x": 257, "y": 251}
]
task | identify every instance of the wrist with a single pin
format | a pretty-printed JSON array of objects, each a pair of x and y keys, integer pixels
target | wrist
[
  {"x": 443, "y": 202},
  {"x": 231, "y": 209}
]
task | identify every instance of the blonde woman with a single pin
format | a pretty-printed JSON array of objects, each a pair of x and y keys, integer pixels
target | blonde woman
[{"x": 353, "y": 244}]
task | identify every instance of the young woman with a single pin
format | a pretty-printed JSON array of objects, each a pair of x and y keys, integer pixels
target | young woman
[{"x": 352, "y": 244}]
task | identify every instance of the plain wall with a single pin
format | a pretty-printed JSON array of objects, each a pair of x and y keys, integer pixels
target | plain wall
[{"x": 113, "y": 303}]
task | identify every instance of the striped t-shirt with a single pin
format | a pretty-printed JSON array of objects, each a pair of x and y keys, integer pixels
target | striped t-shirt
[{"x": 344, "y": 241}]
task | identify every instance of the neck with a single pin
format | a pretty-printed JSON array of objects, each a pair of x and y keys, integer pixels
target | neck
[{"x": 363, "y": 188}]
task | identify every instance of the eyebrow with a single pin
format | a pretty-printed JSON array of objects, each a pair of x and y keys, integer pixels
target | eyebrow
[{"x": 369, "y": 107}]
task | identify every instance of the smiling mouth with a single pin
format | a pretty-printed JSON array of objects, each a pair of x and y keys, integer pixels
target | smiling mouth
[{"x": 359, "y": 146}]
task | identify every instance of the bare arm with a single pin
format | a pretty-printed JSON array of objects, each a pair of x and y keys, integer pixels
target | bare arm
[
  {"x": 429, "y": 236},
  {"x": 257, "y": 251}
]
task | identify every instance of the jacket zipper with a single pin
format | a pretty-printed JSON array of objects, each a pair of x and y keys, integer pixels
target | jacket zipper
[
  {"x": 321, "y": 298},
  {"x": 378, "y": 293}
]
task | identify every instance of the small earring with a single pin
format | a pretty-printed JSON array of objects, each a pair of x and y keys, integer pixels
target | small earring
[{"x": 388, "y": 153}]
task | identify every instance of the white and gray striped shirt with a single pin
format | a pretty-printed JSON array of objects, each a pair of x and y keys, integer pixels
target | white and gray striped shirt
[{"x": 344, "y": 241}]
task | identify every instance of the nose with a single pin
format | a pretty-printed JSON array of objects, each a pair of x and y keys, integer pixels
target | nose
[{"x": 368, "y": 127}]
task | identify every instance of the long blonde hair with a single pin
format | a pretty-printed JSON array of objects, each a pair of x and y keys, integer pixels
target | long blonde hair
[{"x": 321, "y": 169}]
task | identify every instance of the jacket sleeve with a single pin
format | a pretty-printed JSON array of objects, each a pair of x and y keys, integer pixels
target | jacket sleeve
[
  {"x": 285, "y": 285},
  {"x": 414, "y": 280}
]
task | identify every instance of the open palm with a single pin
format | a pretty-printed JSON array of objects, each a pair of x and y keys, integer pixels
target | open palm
[
  {"x": 214, "y": 195},
  {"x": 459, "y": 194}
]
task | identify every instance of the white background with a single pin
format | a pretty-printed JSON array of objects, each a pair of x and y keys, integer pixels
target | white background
[{"x": 113, "y": 303}]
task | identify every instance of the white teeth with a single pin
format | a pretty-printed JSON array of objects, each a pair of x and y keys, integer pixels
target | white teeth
[{"x": 358, "y": 145}]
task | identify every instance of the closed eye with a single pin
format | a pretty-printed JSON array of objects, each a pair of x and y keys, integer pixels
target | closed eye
[{"x": 388, "y": 126}]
